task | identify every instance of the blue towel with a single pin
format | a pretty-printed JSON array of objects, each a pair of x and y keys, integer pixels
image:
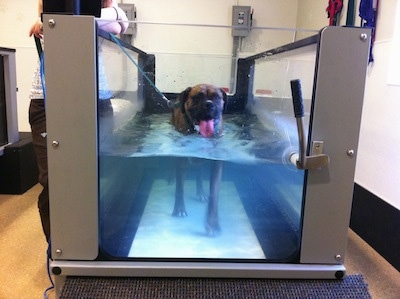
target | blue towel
[
  {"x": 368, "y": 15},
  {"x": 367, "y": 12}
]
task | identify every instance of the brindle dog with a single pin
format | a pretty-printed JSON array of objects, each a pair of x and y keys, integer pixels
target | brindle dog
[{"x": 199, "y": 109}]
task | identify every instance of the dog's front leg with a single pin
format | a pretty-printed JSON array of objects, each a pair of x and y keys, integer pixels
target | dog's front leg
[
  {"x": 200, "y": 193},
  {"x": 179, "y": 207},
  {"x": 212, "y": 222}
]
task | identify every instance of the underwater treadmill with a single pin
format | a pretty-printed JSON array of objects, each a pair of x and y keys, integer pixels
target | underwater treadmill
[{"x": 289, "y": 148}]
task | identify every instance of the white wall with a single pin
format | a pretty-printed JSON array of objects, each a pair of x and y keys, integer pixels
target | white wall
[
  {"x": 311, "y": 15},
  {"x": 378, "y": 168},
  {"x": 16, "y": 17},
  {"x": 378, "y": 164},
  {"x": 214, "y": 44}
]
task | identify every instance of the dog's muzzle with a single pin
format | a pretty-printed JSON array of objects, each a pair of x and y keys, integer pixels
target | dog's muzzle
[{"x": 207, "y": 124}]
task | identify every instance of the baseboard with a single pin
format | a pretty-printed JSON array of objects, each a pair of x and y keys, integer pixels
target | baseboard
[{"x": 377, "y": 223}]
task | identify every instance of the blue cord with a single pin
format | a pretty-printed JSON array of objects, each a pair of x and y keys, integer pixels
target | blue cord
[
  {"x": 140, "y": 69},
  {"x": 48, "y": 254},
  {"x": 43, "y": 80}
]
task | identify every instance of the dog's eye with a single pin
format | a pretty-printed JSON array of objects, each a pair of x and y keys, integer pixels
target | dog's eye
[
  {"x": 198, "y": 97},
  {"x": 213, "y": 95}
]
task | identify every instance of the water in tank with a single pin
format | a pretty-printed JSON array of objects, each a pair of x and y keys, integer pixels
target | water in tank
[{"x": 249, "y": 205}]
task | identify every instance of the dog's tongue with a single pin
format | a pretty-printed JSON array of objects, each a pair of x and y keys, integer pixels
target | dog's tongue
[{"x": 207, "y": 128}]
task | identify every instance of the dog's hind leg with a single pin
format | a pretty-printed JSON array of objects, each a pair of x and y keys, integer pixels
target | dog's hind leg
[
  {"x": 212, "y": 221},
  {"x": 179, "y": 207}
]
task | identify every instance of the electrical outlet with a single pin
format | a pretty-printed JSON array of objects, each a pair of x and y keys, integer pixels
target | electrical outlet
[
  {"x": 241, "y": 20},
  {"x": 130, "y": 11}
]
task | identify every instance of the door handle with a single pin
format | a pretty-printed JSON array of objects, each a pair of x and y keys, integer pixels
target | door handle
[{"x": 317, "y": 159}]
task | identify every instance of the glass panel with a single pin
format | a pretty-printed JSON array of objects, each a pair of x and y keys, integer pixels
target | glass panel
[
  {"x": 118, "y": 88},
  {"x": 252, "y": 211}
]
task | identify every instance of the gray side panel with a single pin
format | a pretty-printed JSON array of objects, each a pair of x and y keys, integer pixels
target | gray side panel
[
  {"x": 339, "y": 92},
  {"x": 70, "y": 68}
]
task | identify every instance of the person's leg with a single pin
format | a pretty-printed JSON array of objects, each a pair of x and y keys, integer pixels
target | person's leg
[{"x": 37, "y": 120}]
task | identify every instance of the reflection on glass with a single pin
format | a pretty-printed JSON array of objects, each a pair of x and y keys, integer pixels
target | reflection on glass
[{"x": 260, "y": 194}]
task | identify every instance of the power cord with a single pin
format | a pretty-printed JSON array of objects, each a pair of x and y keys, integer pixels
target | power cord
[{"x": 51, "y": 287}]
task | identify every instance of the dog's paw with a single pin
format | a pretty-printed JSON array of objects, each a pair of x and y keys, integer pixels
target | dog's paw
[
  {"x": 179, "y": 212},
  {"x": 213, "y": 229},
  {"x": 170, "y": 178},
  {"x": 202, "y": 197}
]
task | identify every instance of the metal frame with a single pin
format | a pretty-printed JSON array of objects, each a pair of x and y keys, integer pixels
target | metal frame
[
  {"x": 71, "y": 91},
  {"x": 70, "y": 64},
  {"x": 10, "y": 84},
  {"x": 336, "y": 115}
]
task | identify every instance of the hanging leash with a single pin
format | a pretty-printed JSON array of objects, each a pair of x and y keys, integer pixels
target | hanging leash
[
  {"x": 334, "y": 8},
  {"x": 40, "y": 52},
  {"x": 368, "y": 12},
  {"x": 38, "y": 44},
  {"x": 115, "y": 39}
]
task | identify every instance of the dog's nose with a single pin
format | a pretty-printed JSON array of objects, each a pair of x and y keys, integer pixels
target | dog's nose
[{"x": 209, "y": 104}]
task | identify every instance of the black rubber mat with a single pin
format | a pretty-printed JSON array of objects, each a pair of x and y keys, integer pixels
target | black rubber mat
[{"x": 352, "y": 286}]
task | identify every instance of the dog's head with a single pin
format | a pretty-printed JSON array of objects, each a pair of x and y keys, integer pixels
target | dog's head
[{"x": 203, "y": 105}]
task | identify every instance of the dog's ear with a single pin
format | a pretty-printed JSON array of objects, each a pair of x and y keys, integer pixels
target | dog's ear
[
  {"x": 225, "y": 98},
  {"x": 183, "y": 97}
]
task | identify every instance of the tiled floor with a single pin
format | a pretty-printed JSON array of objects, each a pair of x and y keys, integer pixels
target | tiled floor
[{"x": 23, "y": 271}]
